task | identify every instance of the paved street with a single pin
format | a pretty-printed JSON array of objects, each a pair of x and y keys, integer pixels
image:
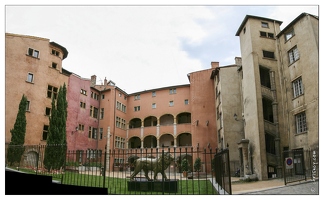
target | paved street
[{"x": 309, "y": 188}]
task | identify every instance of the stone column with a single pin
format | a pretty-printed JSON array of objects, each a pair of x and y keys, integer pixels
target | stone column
[{"x": 244, "y": 145}]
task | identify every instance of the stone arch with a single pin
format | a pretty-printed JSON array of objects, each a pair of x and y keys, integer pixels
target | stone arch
[
  {"x": 184, "y": 139},
  {"x": 150, "y": 141},
  {"x": 166, "y": 140},
  {"x": 134, "y": 142},
  {"x": 135, "y": 123},
  {"x": 166, "y": 119},
  {"x": 150, "y": 121},
  {"x": 184, "y": 117}
]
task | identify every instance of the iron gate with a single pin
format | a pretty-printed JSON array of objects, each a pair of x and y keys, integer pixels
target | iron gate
[{"x": 222, "y": 172}]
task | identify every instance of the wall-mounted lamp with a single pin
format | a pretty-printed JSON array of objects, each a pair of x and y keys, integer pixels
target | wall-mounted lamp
[
  {"x": 76, "y": 129},
  {"x": 207, "y": 122},
  {"x": 235, "y": 117},
  {"x": 197, "y": 121}
]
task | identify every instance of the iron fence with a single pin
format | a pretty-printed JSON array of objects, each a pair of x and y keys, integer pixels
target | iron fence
[
  {"x": 300, "y": 164},
  {"x": 223, "y": 174},
  {"x": 113, "y": 169}
]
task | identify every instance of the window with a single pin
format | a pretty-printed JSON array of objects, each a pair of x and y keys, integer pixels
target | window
[
  {"x": 268, "y": 54},
  {"x": 137, "y": 97},
  {"x": 102, "y": 110},
  {"x": 153, "y": 94},
  {"x": 91, "y": 111},
  {"x": 267, "y": 110},
  {"x": 81, "y": 127},
  {"x": 301, "y": 122},
  {"x": 270, "y": 35},
  {"x": 92, "y": 132},
  {"x": 84, "y": 92},
  {"x": 298, "y": 87},
  {"x": 265, "y": 77},
  {"x": 102, "y": 96},
  {"x": 263, "y": 34},
  {"x": 95, "y": 112},
  {"x": 45, "y": 132},
  {"x": 100, "y": 133},
  {"x": 173, "y": 91},
  {"x": 28, "y": 106},
  {"x": 32, "y": 52},
  {"x": 171, "y": 103},
  {"x": 94, "y": 95},
  {"x": 137, "y": 108},
  {"x": 270, "y": 143},
  {"x": 30, "y": 77},
  {"x": 47, "y": 111},
  {"x": 121, "y": 107},
  {"x": 56, "y": 53},
  {"x": 153, "y": 105},
  {"x": 289, "y": 34},
  {"x": 293, "y": 55},
  {"x": 264, "y": 25},
  {"x": 54, "y": 65},
  {"x": 186, "y": 101},
  {"x": 119, "y": 142},
  {"x": 82, "y": 104},
  {"x": 51, "y": 92}
]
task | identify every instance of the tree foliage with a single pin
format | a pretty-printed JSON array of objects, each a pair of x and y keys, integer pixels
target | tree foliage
[
  {"x": 16, "y": 148},
  {"x": 56, "y": 140},
  {"x": 197, "y": 164}
]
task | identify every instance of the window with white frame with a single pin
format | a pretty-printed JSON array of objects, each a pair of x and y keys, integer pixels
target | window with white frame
[
  {"x": 153, "y": 105},
  {"x": 52, "y": 91},
  {"x": 32, "y": 52},
  {"x": 56, "y": 53},
  {"x": 173, "y": 91},
  {"x": 137, "y": 97},
  {"x": 137, "y": 108},
  {"x": 186, "y": 101},
  {"x": 45, "y": 132},
  {"x": 293, "y": 55},
  {"x": 153, "y": 94},
  {"x": 100, "y": 133},
  {"x": 289, "y": 34},
  {"x": 171, "y": 103},
  {"x": 298, "y": 87},
  {"x": 84, "y": 92},
  {"x": 102, "y": 111},
  {"x": 30, "y": 77},
  {"x": 301, "y": 125},
  {"x": 264, "y": 25},
  {"x": 28, "y": 106}
]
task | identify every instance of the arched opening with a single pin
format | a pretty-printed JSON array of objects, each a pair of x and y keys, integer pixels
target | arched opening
[
  {"x": 183, "y": 118},
  {"x": 134, "y": 142},
  {"x": 167, "y": 140},
  {"x": 166, "y": 119},
  {"x": 32, "y": 159},
  {"x": 150, "y": 142},
  {"x": 184, "y": 139},
  {"x": 150, "y": 121},
  {"x": 135, "y": 123}
]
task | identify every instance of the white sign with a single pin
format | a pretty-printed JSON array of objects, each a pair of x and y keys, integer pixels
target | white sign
[{"x": 289, "y": 163}]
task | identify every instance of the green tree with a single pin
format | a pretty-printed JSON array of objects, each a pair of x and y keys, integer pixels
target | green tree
[
  {"x": 16, "y": 148},
  {"x": 55, "y": 150},
  {"x": 197, "y": 164}
]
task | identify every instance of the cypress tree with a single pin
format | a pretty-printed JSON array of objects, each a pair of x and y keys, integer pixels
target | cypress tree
[
  {"x": 16, "y": 148},
  {"x": 55, "y": 150}
]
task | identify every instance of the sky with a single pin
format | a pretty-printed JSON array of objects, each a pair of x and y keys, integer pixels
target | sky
[{"x": 142, "y": 47}]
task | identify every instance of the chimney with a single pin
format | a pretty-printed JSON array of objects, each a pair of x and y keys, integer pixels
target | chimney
[
  {"x": 214, "y": 65},
  {"x": 93, "y": 80},
  {"x": 105, "y": 81},
  {"x": 238, "y": 61}
]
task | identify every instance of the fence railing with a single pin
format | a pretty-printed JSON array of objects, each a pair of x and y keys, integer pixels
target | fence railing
[
  {"x": 113, "y": 169},
  {"x": 300, "y": 164}
]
